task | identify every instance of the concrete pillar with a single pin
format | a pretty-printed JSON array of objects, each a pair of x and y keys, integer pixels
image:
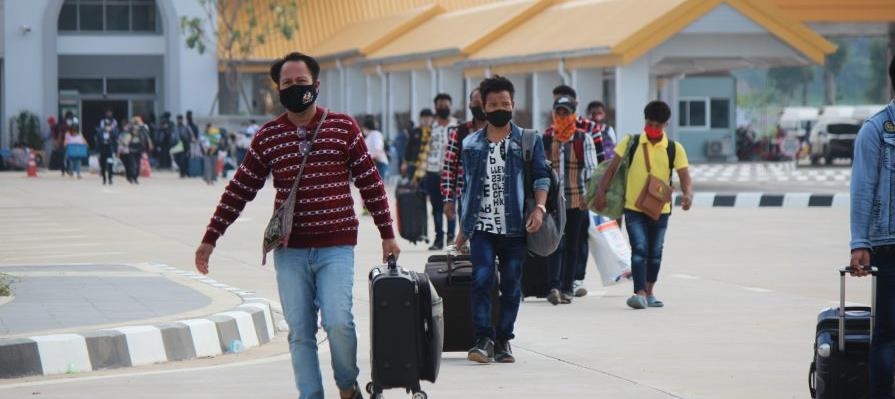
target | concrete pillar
[
  {"x": 191, "y": 79},
  {"x": 414, "y": 108},
  {"x": 632, "y": 87},
  {"x": 535, "y": 102},
  {"x": 368, "y": 104}
]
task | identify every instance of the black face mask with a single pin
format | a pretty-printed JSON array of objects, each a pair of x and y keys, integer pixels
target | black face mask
[
  {"x": 499, "y": 118},
  {"x": 298, "y": 98},
  {"x": 478, "y": 113},
  {"x": 443, "y": 113}
]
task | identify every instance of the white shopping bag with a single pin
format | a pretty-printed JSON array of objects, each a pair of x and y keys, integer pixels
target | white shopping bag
[
  {"x": 93, "y": 164},
  {"x": 610, "y": 249}
]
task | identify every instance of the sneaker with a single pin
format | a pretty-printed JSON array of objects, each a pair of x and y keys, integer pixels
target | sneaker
[
  {"x": 503, "y": 353},
  {"x": 482, "y": 352},
  {"x": 654, "y": 302},
  {"x": 438, "y": 245},
  {"x": 553, "y": 297},
  {"x": 566, "y": 298},
  {"x": 637, "y": 302},
  {"x": 357, "y": 392},
  {"x": 579, "y": 289}
]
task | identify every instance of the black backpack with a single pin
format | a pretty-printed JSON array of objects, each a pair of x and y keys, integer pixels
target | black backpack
[{"x": 671, "y": 151}]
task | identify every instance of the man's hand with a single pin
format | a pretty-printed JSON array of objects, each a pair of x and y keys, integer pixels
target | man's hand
[
  {"x": 449, "y": 210},
  {"x": 202, "y": 254},
  {"x": 390, "y": 247},
  {"x": 460, "y": 243},
  {"x": 600, "y": 200},
  {"x": 860, "y": 262},
  {"x": 687, "y": 202},
  {"x": 535, "y": 219}
]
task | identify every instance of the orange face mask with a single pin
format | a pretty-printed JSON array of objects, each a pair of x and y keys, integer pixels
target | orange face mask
[{"x": 564, "y": 127}]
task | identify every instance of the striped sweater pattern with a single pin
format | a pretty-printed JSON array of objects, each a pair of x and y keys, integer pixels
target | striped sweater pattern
[{"x": 324, "y": 208}]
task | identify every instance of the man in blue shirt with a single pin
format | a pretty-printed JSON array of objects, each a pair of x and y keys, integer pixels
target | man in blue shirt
[{"x": 873, "y": 234}]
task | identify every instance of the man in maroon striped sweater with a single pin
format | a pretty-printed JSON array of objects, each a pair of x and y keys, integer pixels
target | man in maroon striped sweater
[{"x": 315, "y": 271}]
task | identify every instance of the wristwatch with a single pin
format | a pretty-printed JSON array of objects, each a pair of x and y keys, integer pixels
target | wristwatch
[{"x": 542, "y": 208}]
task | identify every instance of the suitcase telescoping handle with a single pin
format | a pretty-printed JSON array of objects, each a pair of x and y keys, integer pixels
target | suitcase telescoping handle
[
  {"x": 842, "y": 272},
  {"x": 392, "y": 262}
]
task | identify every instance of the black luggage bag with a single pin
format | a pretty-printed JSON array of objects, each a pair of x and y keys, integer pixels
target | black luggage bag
[
  {"x": 535, "y": 276},
  {"x": 407, "y": 330},
  {"x": 411, "y": 209},
  {"x": 452, "y": 277},
  {"x": 841, "y": 348}
]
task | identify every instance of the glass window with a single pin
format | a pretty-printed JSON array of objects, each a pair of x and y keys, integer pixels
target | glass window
[
  {"x": 720, "y": 113},
  {"x": 118, "y": 17},
  {"x": 142, "y": 107},
  {"x": 82, "y": 85},
  {"x": 90, "y": 16},
  {"x": 144, "y": 17},
  {"x": 697, "y": 113},
  {"x": 68, "y": 17},
  {"x": 131, "y": 86},
  {"x": 693, "y": 113},
  {"x": 682, "y": 119}
]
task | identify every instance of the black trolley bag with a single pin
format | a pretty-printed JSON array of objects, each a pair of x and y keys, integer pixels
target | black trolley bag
[
  {"x": 411, "y": 209},
  {"x": 535, "y": 276},
  {"x": 451, "y": 274},
  {"x": 407, "y": 329},
  {"x": 841, "y": 348}
]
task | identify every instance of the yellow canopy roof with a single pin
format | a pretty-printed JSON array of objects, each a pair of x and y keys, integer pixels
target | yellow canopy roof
[
  {"x": 624, "y": 30},
  {"x": 367, "y": 36},
  {"x": 460, "y": 32},
  {"x": 839, "y": 10}
]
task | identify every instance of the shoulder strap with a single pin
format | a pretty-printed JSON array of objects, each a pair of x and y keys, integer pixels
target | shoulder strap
[
  {"x": 304, "y": 159},
  {"x": 632, "y": 148},
  {"x": 671, "y": 151},
  {"x": 528, "y": 143}
]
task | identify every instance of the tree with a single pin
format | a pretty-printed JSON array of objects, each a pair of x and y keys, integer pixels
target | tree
[
  {"x": 238, "y": 31},
  {"x": 878, "y": 85},
  {"x": 787, "y": 79},
  {"x": 835, "y": 63}
]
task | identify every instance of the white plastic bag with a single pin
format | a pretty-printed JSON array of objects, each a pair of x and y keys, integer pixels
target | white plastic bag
[
  {"x": 610, "y": 249},
  {"x": 93, "y": 164}
]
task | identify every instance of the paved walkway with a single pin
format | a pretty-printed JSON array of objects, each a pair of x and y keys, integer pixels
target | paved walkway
[{"x": 55, "y": 297}]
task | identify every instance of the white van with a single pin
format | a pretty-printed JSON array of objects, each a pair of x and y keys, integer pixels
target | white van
[{"x": 797, "y": 121}]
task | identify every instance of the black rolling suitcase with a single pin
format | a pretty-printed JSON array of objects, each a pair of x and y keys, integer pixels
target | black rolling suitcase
[
  {"x": 407, "y": 330},
  {"x": 841, "y": 348},
  {"x": 452, "y": 277},
  {"x": 412, "y": 221},
  {"x": 535, "y": 276},
  {"x": 57, "y": 160}
]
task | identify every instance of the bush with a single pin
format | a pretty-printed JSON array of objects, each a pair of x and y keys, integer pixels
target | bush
[
  {"x": 28, "y": 126},
  {"x": 5, "y": 285}
]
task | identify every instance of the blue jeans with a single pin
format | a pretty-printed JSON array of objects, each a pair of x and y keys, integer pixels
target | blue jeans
[
  {"x": 882, "y": 347},
  {"x": 647, "y": 237},
  {"x": 510, "y": 252},
  {"x": 432, "y": 184},
  {"x": 564, "y": 262},
  {"x": 318, "y": 279},
  {"x": 74, "y": 165}
]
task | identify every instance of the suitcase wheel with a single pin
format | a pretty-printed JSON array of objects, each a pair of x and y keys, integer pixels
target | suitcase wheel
[
  {"x": 370, "y": 388},
  {"x": 420, "y": 395}
]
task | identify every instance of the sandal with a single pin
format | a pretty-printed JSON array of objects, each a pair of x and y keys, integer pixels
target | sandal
[{"x": 654, "y": 302}]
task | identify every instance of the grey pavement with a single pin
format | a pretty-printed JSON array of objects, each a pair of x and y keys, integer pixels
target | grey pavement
[
  {"x": 67, "y": 296},
  {"x": 742, "y": 288}
]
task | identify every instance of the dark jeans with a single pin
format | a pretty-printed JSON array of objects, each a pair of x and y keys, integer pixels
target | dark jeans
[
  {"x": 564, "y": 262},
  {"x": 510, "y": 253},
  {"x": 183, "y": 163},
  {"x": 131, "y": 166},
  {"x": 432, "y": 184},
  {"x": 583, "y": 251},
  {"x": 106, "y": 165},
  {"x": 882, "y": 347},
  {"x": 647, "y": 239}
]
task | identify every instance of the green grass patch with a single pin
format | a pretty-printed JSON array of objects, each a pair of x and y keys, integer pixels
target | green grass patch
[{"x": 5, "y": 285}]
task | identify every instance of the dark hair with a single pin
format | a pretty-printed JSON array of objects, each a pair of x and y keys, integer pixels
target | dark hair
[
  {"x": 179, "y": 116},
  {"x": 595, "y": 104},
  {"x": 277, "y": 66},
  {"x": 657, "y": 111},
  {"x": 443, "y": 96},
  {"x": 563, "y": 90},
  {"x": 892, "y": 72},
  {"x": 426, "y": 112},
  {"x": 472, "y": 93},
  {"x": 369, "y": 122},
  {"x": 496, "y": 84}
]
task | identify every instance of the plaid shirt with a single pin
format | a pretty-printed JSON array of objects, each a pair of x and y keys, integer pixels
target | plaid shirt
[
  {"x": 588, "y": 126},
  {"x": 574, "y": 161},
  {"x": 451, "y": 185}
]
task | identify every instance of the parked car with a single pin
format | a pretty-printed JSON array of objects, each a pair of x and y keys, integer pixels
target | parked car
[{"x": 833, "y": 137}]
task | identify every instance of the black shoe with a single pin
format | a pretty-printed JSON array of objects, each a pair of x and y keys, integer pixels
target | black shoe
[
  {"x": 438, "y": 245},
  {"x": 357, "y": 392},
  {"x": 566, "y": 298},
  {"x": 450, "y": 240},
  {"x": 482, "y": 352},
  {"x": 554, "y": 297},
  {"x": 503, "y": 353}
]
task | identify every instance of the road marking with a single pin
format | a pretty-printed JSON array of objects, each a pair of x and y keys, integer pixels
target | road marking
[
  {"x": 757, "y": 289},
  {"x": 68, "y": 255},
  {"x": 685, "y": 276}
]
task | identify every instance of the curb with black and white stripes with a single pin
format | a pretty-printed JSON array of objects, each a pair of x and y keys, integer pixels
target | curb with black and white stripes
[
  {"x": 249, "y": 325},
  {"x": 764, "y": 200}
]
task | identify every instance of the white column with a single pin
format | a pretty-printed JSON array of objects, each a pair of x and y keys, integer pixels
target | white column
[
  {"x": 388, "y": 99},
  {"x": 191, "y": 79},
  {"x": 469, "y": 89},
  {"x": 535, "y": 103},
  {"x": 414, "y": 109},
  {"x": 368, "y": 83},
  {"x": 28, "y": 48},
  {"x": 632, "y": 86}
]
